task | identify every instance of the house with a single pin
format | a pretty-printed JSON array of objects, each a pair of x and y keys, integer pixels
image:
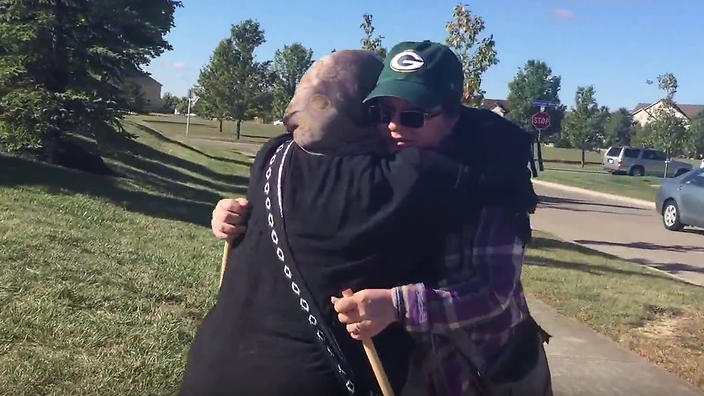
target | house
[
  {"x": 498, "y": 106},
  {"x": 643, "y": 112},
  {"x": 150, "y": 89}
]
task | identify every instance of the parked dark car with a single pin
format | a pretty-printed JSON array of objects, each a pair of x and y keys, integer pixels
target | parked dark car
[{"x": 681, "y": 200}]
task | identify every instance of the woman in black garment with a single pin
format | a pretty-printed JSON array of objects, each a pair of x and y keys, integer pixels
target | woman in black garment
[{"x": 331, "y": 210}]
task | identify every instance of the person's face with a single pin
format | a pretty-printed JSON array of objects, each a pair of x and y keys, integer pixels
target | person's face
[{"x": 407, "y": 130}]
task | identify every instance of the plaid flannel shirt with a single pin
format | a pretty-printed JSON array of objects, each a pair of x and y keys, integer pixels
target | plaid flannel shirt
[{"x": 481, "y": 299}]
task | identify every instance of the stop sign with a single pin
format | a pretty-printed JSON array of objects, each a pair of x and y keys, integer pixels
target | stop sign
[{"x": 541, "y": 120}]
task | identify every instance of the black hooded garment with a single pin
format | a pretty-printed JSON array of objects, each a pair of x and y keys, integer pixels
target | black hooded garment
[{"x": 353, "y": 221}]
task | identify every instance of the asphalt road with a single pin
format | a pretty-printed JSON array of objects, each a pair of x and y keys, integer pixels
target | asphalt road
[{"x": 621, "y": 229}]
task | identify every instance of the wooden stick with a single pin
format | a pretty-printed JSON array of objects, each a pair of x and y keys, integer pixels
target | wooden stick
[
  {"x": 225, "y": 259},
  {"x": 374, "y": 360},
  {"x": 378, "y": 369}
]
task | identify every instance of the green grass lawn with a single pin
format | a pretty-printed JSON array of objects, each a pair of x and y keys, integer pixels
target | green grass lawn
[
  {"x": 595, "y": 180},
  {"x": 648, "y": 312},
  {"x": 175, "y": 127},
  {"x": 555, "y": 154},
  {"x": 105, "y": 280}
]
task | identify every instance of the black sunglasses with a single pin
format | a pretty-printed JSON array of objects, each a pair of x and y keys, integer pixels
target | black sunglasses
[{"x": 408, "y": 118}]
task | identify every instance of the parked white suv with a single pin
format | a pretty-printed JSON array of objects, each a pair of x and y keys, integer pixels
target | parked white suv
[{"x": 639, "y": 161}]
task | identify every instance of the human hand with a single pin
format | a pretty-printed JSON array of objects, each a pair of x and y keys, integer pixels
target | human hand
[
  {"x": 366, "y": 312},
  {"x": 230, "y": 218}
]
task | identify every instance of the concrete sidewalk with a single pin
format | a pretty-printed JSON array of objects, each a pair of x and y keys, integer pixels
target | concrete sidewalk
[{"x": 586, "y": 363}]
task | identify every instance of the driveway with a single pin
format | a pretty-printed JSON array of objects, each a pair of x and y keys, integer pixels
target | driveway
[{"x": 621, "y": 229}]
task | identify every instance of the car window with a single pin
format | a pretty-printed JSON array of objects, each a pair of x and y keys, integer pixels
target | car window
[
  {"x": 613, "y": 152},
  {"x": 696, "y": 178},
  {"x": 631, "y": 153},
  {"x": 654, "y": 155}
]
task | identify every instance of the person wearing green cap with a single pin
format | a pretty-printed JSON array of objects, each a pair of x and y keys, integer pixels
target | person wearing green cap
[
  {"x": 473, "y": 321},
  {"x": 471, "y": 315}
]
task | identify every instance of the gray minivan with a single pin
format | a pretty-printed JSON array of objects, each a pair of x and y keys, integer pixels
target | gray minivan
[{"x": 640, "y": 161}]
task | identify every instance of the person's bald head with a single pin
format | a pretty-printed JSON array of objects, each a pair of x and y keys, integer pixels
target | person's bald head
[{"x": 326, "y": 114}]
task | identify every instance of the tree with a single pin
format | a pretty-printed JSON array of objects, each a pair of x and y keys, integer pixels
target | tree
[
  {"x": 696, "y": 136},
  {"x": 289, "y": 66},
  {"x": 169, "y": 102},
  {"x": 535, "y": 82},
  {"x": 182, "y": 105},
  {"x": 216, "y": 84},
  {"x": 134, "y": 98},
  {"x": 618, "y": 128},
  {"x": 584, "y": 128},
  {"x": 696, "y": 129},
  {"x": 71, "y": 57},
  {"x": 234, "y": 84},
  {"x": 666, "y": 130},
  {"x": 369, "y": 42},
  {"x": 476, "y": 55},
  {"x": 252, "y": 79}
]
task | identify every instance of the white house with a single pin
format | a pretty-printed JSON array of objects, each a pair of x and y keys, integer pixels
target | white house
[{"x": 643, "y": 112}]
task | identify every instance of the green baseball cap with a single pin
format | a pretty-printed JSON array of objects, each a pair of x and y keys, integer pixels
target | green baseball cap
[{"x": 425, "y": 73}]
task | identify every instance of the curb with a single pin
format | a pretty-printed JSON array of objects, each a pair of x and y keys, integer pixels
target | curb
[{"x": 632, "y": 201}]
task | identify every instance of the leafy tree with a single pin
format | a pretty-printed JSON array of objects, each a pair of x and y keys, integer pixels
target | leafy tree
[
  {"x": 618, "y": 128},
  {"x": 182, "y": 105},
  {"x": 696, "y": 135},
  {"x": 169, "y": 102},
  {"x": 476, "y": 55},
  {"x": 252, "y": 79},
  {"x": 535, "y": 82},
  {"x": 584, "y": 127},
  {"x": 216, "y": 83},
  {"x": 666, "y": 130},
  {"x": 134, "y": 97},
  {"x": 71, "y": 57},
  {"x": 289, "y": 66},
  {"x": 234, "y": 84},
  {"x": 369, "y": 42}
]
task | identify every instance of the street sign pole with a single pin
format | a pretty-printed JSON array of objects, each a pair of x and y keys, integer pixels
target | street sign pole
[
  {"x": 192, "y": 100},
  {"x": 540, "y": 121},
  {"x": 188, "y": 117},
  {"x": 540, "y": 153}
]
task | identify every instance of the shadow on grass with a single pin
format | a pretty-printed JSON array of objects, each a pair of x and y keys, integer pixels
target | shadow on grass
[
  {"x": 260, "y": 138},
  {"x": 127, "y": 151},
  {"x": 21, "y": 172},
  {"x": 559, "y": 200},
  {"x": 163, "y": 138},
  {"x": 178, "y": 122},
  {"x": 164, "y": 172},
  {"x": 645, "y": 246},
  {"x": 539, "y": 243},
  {"x": 596, "y": 172}
]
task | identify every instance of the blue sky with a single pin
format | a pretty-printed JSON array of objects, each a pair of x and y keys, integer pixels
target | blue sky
[{"x": 615, "y": 45}]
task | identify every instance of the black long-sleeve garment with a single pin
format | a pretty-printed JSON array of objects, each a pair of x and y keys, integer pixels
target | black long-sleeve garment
[{"x": 359, "y": 222}]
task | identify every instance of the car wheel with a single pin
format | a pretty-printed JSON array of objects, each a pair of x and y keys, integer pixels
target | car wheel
[
  {"x": 636, "y": 171},
  {"x": 671, "y": 216}
]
